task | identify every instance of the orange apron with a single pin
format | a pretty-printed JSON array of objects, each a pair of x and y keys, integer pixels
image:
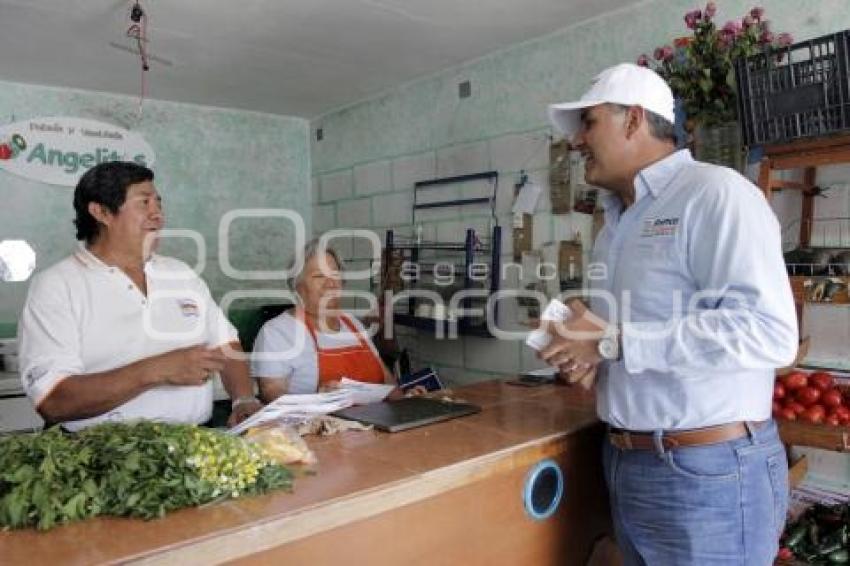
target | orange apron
[{"x": 356, "y": 362}]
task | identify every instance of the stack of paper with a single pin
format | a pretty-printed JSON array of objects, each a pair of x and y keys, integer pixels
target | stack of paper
[
  {"x": 293, "y": 409},
  {"x": 555, "y": 311},
  {"x": 364, "y": 393}
]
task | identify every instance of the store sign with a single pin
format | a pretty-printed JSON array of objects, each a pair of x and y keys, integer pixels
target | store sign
[{"x": 58, "y": 150}]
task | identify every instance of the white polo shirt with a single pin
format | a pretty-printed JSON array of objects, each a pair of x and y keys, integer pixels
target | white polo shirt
[{"x": 82, "y": 316}]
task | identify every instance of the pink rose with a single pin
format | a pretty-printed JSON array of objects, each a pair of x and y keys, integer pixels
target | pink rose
[
  {"x": 643, "y": 60},
  {"x": 691, "y": 18},
  {"x": 747, "y": 21},
  {"x": 757, "y": 13},
  {"x": 766, "y": 37},
  {"x": 658, "y": 53},
  {"x": 710, "y": 10},
  {"x": 784, "y": 39},
  {"x": 732, "y": 28},
  {"x": 666, "y": 53}
]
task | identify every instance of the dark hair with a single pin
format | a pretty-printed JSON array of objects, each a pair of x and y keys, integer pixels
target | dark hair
[
  {"x": 105, "y": 184},
  {"x": 660, "y": 128}
]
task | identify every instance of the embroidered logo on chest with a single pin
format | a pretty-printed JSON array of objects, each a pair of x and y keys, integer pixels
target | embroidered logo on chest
[
  {"x": 654, "y": 227},
  {"x": 188, "y": 308}
]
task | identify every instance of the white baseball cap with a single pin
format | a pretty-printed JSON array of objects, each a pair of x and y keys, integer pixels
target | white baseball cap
[{"x": 627, "y": 84}]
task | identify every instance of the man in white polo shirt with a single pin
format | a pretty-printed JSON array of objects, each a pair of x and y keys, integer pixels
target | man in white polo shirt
[
  {"x": 116, "y": 332},
  {"x": 692, "y": 313}
]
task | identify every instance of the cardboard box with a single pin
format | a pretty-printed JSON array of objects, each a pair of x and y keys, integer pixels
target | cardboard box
[
  {"x": 560, "y": 188},
  {"x": 571, "y": 263},
  {"x": 523, "y": 235}
]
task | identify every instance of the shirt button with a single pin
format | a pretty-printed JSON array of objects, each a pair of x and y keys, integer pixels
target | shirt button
[{"x": 129, "y": 287}]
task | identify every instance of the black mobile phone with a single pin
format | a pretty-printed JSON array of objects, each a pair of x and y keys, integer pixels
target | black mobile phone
[{"x": 532, "y": 380}]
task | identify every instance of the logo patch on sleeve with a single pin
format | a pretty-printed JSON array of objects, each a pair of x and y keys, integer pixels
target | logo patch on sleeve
[{"x": 189, "y": 308}]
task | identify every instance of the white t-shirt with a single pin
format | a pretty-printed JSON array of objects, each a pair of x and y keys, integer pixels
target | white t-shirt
[
  {"x": 284, "y": 348},
  {"x": 82, "y": 316}
]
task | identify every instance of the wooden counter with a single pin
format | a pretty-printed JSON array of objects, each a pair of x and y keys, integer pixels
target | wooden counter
[{"x": 449, "y": 493}]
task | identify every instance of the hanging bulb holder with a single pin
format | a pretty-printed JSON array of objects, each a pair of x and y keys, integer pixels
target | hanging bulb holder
[{"x": 137, "y": 13}]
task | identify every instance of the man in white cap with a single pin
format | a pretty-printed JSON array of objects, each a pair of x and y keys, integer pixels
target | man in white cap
[{"x": 691, "y": 312}]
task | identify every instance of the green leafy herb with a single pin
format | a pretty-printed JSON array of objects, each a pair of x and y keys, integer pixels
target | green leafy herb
[{"x": 140, "y": 469}]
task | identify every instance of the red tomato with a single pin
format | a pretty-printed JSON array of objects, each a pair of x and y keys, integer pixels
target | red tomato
[
  {"x": 821, "y": 380},
  {"x": 807, "y": 396},
  {"x": 833, "y": 420},
  {"x": 789, "y": 414},
  {"x": 814, "y": 414},
  {"x": 777, "y": 409},
  {"x": 843, "y": 414},
  {"x": 5, "y": 151},
  {"x": 796, "y": 407},
  {"x": 795, "y": 380},
  {"x": 831, "y": 398},
  {"x": 778, "y": 390},
  {"x": 785, "y": 553}
]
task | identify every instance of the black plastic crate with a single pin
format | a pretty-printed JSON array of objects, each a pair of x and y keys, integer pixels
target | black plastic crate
[{"x": 798, "y": 91}]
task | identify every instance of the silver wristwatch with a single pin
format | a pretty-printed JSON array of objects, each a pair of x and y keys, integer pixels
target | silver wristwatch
[
  {"x": 609, "y": 345},
  {"x": 244, "y": 400}
]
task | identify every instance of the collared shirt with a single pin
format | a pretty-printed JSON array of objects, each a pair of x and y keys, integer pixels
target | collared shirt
[
  {"x": 693, "y": 271},
  {"x": 82, "y": 316}
]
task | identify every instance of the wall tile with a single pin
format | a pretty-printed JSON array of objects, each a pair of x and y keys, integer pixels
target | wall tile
[
  {"x": 354, "y": 213},
  {"x": 336, "y": 186},
  {"x": 314, "y": 190},
  {"x": 372, "y": 178},
  {"x": 412, "y": 168},
  {"x": 528, "y": 151},
  {"x": 488, "y": 354},
  {"x": 463, "y": 160},
  {"x": 324, "y": 218},
  {"x": 363, "y": 246},
  {"x": 393, "y": 209}
]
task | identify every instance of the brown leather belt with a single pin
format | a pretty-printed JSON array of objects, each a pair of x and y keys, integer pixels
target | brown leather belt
[{"x": 629, "y": 440}]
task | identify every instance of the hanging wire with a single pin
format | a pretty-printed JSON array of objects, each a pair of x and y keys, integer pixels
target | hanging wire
[{"x": 138, "y": 30}]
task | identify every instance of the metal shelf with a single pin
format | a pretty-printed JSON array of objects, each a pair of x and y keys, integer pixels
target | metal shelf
[
  {"x": 432, "y": 246},
  {"x": 431, "y": 325},
  {"x": 466, "y": 271},
  {"x": 490, "y": 199},
  {"x": 456, "y": 202},
  {"x": 457, "y": 179}
]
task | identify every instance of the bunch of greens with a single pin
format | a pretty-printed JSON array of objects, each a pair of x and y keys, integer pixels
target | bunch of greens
[{"x": 141, "y": 469}]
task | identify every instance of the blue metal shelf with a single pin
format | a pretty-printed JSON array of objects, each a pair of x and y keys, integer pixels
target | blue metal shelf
[
  {"x": 469, "y": 249},
  {"x": 431, "y": 325},
  {"x": 492, "y": 176},
  {"x": 457, "y": 179}
]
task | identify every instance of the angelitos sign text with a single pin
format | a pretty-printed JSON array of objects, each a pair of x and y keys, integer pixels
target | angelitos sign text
[{"x": 58, "y": 150}]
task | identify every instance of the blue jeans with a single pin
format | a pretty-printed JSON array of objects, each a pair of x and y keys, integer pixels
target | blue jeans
[{"x": 718, "y": 504}]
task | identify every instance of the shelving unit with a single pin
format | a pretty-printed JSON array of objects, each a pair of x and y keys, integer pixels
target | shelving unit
[
  {"x": 423, "y": 261},
  {"x": 425, "y": 256},
  {"x": 806, "y": 155}
]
